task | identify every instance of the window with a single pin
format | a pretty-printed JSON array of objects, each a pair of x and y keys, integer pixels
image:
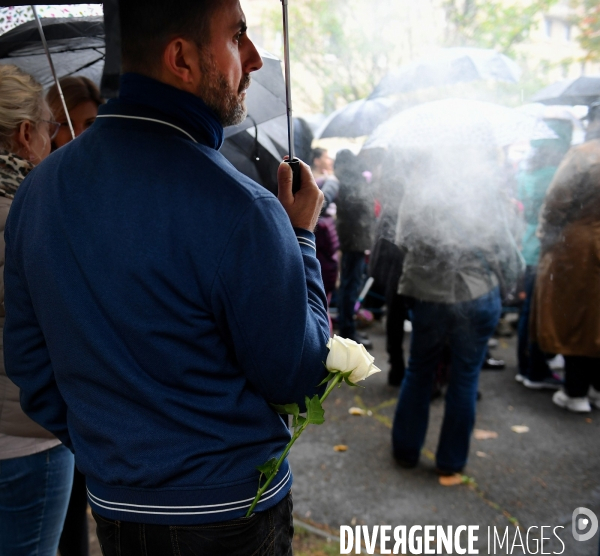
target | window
[{"x": 548, "y": 26}]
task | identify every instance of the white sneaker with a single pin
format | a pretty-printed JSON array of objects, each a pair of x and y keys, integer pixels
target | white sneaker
[
  {"x": 519, "y": 377},
  {"x": 577, "y": 405},
  {"x": 557, "y": 362},
  {"x": 594, "y": 397}
]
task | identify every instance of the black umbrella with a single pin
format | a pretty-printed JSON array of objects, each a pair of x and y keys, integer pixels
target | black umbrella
[
  {"x": 356, "y": 119},
  {"x": 112, "y": 59},
  {"x": 76, "y": 45},
  {"x": 258, "y": 151},
  {"x": 583, "y": 90}
]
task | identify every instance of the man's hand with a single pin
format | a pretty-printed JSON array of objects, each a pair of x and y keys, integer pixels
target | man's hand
[{"x": 304, "y": 207}]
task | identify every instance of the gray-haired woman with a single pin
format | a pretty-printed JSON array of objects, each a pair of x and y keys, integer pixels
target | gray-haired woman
[{"x": 36, "y": 470}]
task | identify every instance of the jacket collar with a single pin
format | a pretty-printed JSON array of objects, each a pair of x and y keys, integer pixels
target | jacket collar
[{"x": 171, "y": 105}]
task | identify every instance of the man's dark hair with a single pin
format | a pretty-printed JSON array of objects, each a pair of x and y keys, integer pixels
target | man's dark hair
[
  {"x": 147, "y": 26},
  {"x": 316, "y": 153}
]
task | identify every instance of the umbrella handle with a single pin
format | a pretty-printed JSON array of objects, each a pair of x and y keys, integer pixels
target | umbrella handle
[{"x": 295, "y": 165}]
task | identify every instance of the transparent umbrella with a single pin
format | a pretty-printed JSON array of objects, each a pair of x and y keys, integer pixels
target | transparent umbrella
[
  {"x": 447, "y": 67},
  {"x": 455, "y": 122}
]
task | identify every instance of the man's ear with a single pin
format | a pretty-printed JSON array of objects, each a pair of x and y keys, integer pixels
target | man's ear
[{"x": 181, "y": 64}]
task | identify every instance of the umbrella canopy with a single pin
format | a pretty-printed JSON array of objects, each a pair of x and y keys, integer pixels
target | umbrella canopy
[
  {"x": 356, "y": 119},
  {"x": 583, "y": 90},
  {"x": 77, "y": 47},
  {"x": 455, "y": 122},
  {"x": 254, "y": 153},
  {"x": 448, "y": 67}
]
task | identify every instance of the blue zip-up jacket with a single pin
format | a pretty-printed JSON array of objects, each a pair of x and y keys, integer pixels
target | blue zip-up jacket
[{"x": 157, "y": 302}]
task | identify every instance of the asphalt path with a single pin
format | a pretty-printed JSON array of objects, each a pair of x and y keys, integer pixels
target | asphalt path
[{"x": 531, "y": 479}]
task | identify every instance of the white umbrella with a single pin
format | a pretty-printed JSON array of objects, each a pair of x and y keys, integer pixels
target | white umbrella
[
  {"x": 455, "y": 122},
  {"x": 447, "y": 67}
]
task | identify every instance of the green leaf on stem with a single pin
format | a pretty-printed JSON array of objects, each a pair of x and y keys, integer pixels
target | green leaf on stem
[
  {"x": 326, "y": 379},
  {"x": 267, "y": 469},
  {"x": 315, "y": 414},
  {"x": 288, "y": 409}
]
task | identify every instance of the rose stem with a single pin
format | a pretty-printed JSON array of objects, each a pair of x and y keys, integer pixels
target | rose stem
[{"x": 261, "y": 490}]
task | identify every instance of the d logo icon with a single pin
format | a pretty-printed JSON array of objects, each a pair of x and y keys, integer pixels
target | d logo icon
[{"x": 580, "y": 525}]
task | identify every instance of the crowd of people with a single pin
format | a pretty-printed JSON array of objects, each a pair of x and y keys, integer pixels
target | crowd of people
[
  {"x": 157, "y": 303},
  {"x": 456, "y": 236}
]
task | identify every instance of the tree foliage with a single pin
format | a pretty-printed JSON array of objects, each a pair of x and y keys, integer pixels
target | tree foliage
[
  {"x": 588, "y": 22},
  {"x": 492, "y": 23},
  {"x": 340, "y": 49}
]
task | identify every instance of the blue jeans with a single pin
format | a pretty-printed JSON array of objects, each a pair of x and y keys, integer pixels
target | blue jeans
[
  {"x": 34, "y": 494},
  {"x": 351, "y": 275},
  {"x": 532, "y": 361},
  {"x": 466, "y": 328},
  {"x": 267, "y": 533}
]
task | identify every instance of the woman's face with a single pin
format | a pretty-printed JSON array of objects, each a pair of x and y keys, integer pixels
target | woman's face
[{"x": 82, "y": 117}]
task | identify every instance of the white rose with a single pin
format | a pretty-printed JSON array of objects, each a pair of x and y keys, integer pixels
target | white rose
[{"x": 346, "y": 355}]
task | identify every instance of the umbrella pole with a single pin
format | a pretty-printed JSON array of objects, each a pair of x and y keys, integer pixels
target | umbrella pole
[
  {"x": 62, "y": 98},
  {"x": 292, "y": 161}
]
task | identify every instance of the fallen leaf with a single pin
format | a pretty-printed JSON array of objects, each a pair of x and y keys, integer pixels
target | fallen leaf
[
  {"x": 482, "y": 455},
  {"x": 357, "y": 411},
  {"x": 510, "y": 408},
  {"x": 451, "y": 480},
  {"x": 588, "y": 420},
  {"x": 519, "y": 429},
  {"x": 480, "y": 434},
  {"x": 340, "y": 448}
]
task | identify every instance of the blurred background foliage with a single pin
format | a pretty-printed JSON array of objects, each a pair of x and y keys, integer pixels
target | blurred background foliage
[{"x": 340, "y": 49}]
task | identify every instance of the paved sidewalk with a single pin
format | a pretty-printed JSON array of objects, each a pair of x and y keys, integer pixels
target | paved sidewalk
[{"x": 531, "y": 479}]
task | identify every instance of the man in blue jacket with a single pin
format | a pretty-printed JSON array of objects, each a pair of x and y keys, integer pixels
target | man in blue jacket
[{"x": 158, "y": 301}]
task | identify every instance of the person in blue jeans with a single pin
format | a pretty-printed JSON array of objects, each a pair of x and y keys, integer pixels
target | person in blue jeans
[
  {"x": 34, "y": 494},
  {"x": 36, "y": 470},
  {"x": 458, "y": 252},
  {"x": 466, "y": 327}
]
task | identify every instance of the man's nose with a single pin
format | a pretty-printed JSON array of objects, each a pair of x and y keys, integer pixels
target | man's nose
[{"x": 253, "y": 61}]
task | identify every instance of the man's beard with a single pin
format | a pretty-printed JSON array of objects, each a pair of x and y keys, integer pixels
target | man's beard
[{"x": 228, "y": 105}]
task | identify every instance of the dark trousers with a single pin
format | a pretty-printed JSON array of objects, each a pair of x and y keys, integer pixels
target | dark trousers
[
  {"x": 532, "y": 361},
  {"x": 465, "y": 328},
  {"x": 580, "y": 374},
  {"x": 267, "y": 533},
  {"x": 351, "y": 278},
  {"x": 74, "y": 537},
  {"x": 396, "y": 315}
]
